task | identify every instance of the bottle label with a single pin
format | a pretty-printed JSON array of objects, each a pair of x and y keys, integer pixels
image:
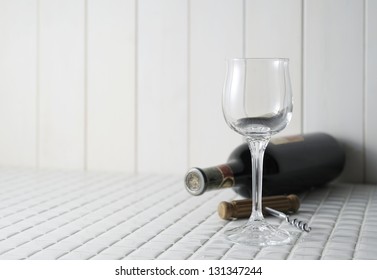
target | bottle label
[
  {"x": 228, "y": 177},
  {"x": 287, "y": 139}
]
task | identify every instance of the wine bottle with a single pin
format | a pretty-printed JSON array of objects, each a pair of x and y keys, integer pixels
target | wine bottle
[{"x": 291, "y": 165}]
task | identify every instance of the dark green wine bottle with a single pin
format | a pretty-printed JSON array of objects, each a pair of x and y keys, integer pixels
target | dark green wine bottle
[{"x": 291, "y": 165}]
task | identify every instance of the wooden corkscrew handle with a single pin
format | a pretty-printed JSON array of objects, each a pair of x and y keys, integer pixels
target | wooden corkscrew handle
[{"x": 242, "y": 208}]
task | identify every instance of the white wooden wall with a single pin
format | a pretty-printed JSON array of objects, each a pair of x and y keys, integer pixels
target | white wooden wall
[{"x": 135, "y": 85}]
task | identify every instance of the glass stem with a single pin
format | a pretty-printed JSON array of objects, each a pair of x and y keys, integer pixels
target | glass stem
[{"x": 257, "y": 147}]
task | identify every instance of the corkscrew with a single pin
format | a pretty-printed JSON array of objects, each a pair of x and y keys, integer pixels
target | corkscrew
[{"x": 295, "y": 222}]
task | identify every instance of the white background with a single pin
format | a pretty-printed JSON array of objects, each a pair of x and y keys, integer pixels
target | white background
[
  {"x": 135, "y": 85},
  {"x": 271, "y": 269}
]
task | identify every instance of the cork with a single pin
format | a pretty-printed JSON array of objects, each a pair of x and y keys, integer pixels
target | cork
[{"x": 242, "y": 208}]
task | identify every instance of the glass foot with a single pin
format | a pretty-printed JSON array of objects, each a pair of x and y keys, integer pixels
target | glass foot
[{"x": 259, "y": 233}]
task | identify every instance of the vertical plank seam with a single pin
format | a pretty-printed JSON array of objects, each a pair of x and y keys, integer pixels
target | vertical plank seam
[
  {"x": 244, "y": 15},
  {"x": 37, "y": 88},
  {"x": 85, "y": 86},
  {"x": 303, "y": 26},
  {"x": 365, "y": 88},
  {"x": 136, "y": 87},
  {"x": 188, "y": 98}
]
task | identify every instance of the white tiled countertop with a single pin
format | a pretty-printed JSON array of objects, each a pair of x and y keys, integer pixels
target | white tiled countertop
[{"x": 84, "y": 215}]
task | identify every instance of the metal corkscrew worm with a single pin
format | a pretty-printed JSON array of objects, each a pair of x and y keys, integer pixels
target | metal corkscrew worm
[
  {"x": 298, "y": 224},
  {"x": 295, "y": 222}
]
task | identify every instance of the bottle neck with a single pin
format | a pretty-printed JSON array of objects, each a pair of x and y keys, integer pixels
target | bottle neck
[{"x": 200, "y": 180}]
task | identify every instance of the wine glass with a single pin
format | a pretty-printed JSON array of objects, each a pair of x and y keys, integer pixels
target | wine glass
[{"x": 257, "y": 103}]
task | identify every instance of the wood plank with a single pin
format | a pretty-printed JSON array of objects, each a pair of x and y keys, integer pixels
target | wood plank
[
  {"x": 371, "y": 92},
  {"x": 162, "y": 86},
  {"x": 111, "y": 85},
  {"x": 18, "y": 88},
  {"x": 333, "y": 76},
  {"x": 274, "y": 29},
  {"x": 61, "y": 83},
  {"x": 216, "y": 33}
]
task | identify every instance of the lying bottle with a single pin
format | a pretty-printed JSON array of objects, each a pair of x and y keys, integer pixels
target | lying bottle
[{"x": 291, "y": 165}]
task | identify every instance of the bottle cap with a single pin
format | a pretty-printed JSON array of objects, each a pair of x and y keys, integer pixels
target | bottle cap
[{"x": 195, "y": 181}]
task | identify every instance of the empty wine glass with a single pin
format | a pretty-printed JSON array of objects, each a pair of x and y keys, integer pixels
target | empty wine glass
[{"x": 257, "y": 103}]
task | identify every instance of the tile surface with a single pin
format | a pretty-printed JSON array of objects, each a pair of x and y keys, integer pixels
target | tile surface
[{"x": 78, "y": 215}]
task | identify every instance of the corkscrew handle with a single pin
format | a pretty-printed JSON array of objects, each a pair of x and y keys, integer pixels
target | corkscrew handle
[
  {"x": 242, "y": 208},
  {"x": 295, "y": 222}
]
